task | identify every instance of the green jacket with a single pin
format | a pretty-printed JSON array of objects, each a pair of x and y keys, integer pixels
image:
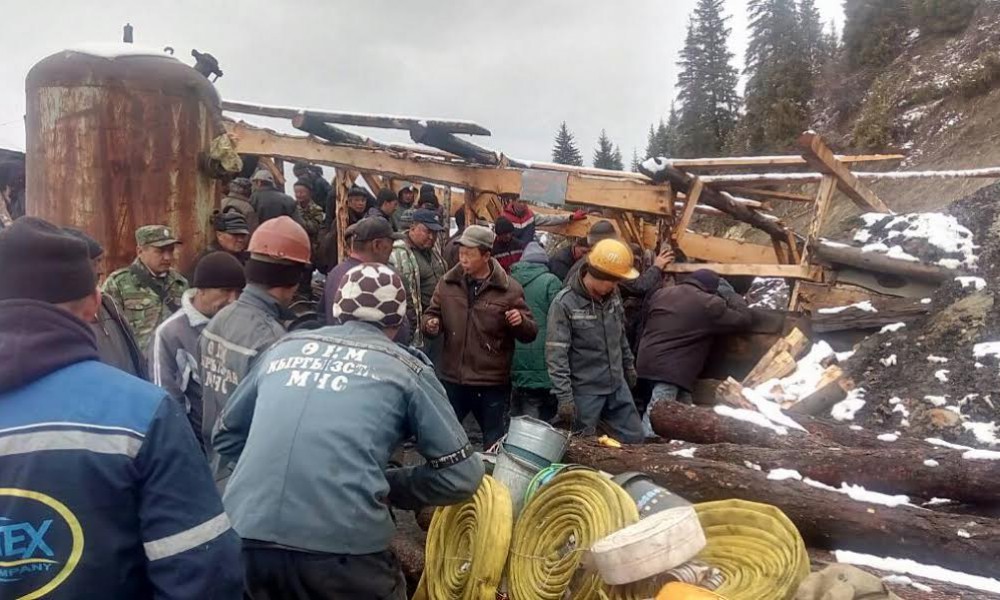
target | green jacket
[
  {"x": 540, "y": 288},
  {"x": 405, "y": 263},
  {"x": 145, "y": 301}
]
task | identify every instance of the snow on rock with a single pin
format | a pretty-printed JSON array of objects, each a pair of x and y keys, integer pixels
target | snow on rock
[
  {"x": 985, "y": 433},
  {"x": 888, "y": 361},
  {"x": 963, "y": 534},
  {"x": 655, "y": 164},
  {"x": 892, "y": 328},
  {"x": 768, "y": 292},
  {"x": 937, "y": 359},
  {"x": 976, "y": 454},
  {"x": 978, "y": 283},
  {"x": 904, "y": 580},
  {"x": 843, "y": 357},
  {"x": 889, "y": 437},
  {"x": 751, "y": 465},
  {"x": 926, "y": 300},
  {"x": 686, "y": 452},
  {"x": 857, "y": 428},
  {"x": 937, "y": 400},
  {"x": 749, "y": 416},
  {"x": 986, "y": 349},
  {"x": 939, "y": 230},
  {"x": 930, "y": 462},
  {"x": 942, "y": 375},
  {"x": 783, "y": 474},
  {"x": 910, "y": 567},
  {"x": 847, "y": 408},
  {"x": 865, "y": 306},
  {"x": 901, "y": 409}
]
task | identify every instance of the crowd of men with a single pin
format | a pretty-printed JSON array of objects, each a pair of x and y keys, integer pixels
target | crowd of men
[{"x": 207, "y": 441}]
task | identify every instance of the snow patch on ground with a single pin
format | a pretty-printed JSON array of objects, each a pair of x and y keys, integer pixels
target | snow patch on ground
[
  {"x": 963, "y": 534},
  {"x": 892, "y": 328},
  {"x": 889, "y": 437},
  {"x": 986, "y": 349},
  {"x": 942, "y": 375},
  {"x": 938, "y": 401},
  {"x": 974, "y": 282},
  {"x": 751, "y": 465},
  {"x": 930, "y": 462},
  {"x": 937, "y": 359},
  {"x": 865, "y": 306},
  {"x": 944, "y": 444},
  {"x": 910, "y": 567},
  {"x": 749, "y": 416},
  {"x": 686, "y": 452},
  {"x": 847, "y": 408},
  {"x": 976, "y": 454},
  {"x": 888, "y": 361},
  {"x": 985, "y": 433}
]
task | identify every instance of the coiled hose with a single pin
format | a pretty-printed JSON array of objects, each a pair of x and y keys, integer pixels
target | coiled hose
[
  {"x": 560, "y": 522},
  {"x": 757, "y": 548},
  {"x": 467, "y": 546}
]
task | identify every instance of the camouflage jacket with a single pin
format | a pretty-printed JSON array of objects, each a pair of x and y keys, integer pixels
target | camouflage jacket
[
  {"x": 405, "y": 262},
  {"x": 313, "y": 220},
  {"x": 146, "y": 301}
]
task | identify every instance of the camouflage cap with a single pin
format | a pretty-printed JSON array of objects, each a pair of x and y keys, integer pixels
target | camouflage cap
[{"x": 159, "y": 236}]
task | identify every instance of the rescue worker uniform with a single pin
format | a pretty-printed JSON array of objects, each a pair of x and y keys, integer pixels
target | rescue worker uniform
[{"x": 343, "y": 396}]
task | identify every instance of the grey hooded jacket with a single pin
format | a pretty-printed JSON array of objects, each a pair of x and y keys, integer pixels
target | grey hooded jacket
[
  {"x": 313, "y": 426},
  {"x": 176, "y": 356},
  {"x": 586, "y": 349},
  {"x": 230, "y": 344}
]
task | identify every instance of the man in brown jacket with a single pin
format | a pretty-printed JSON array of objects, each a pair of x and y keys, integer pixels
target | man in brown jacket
[{"x": 481, "y": 312}]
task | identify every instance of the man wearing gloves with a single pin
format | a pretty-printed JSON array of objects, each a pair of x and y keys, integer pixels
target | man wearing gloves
[
  {"x": 587, "y": 351},
  {"x": 343, "y": 396}
]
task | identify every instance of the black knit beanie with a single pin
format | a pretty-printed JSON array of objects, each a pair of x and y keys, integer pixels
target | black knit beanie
[
  {"x": 269, "y": 274},
  {"x": 219, "y": 270},
  {"x": 39, "y": 261}
]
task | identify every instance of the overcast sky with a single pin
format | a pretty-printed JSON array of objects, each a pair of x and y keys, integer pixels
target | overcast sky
[{"x": 519, "y": 67}]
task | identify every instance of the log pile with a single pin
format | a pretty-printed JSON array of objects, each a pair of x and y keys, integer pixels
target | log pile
[{"x": 843, "y": 488}]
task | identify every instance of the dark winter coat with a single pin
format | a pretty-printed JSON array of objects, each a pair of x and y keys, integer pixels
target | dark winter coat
[
  {"x": 116, "y": 345},
  {"x": 102, "y": 478},
  {"x": 681, "y": 323},
  {"x": 562, "y": 261},
  {"x": 586, "y": 349},
  {"x": 540, "y": 289},
  {"x": 270, "y": 203},
  {"x": 478, "y": 342}
]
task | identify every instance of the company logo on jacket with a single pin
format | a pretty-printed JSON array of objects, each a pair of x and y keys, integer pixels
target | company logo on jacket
[{"x": 40, "y": 544}]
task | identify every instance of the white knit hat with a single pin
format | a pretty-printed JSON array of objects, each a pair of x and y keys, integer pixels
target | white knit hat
[{"x": 373, "y": 293}]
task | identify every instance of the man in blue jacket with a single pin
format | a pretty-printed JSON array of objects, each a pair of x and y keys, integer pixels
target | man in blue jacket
[
  {"x": 103, "y": 490},
  {"x": 313, "y": 426}
]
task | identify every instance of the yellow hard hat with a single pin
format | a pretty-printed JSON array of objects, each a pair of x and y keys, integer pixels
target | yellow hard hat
[
  {"x": 686, "y": 591},
  {"x": 612, "y": 257}
]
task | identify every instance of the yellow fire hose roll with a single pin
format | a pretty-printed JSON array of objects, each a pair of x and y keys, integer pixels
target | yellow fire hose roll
[
  {"x": 467, "y": 546},
  {"x": 757, "y": 548},
  {"x": 557, "y": 526}
]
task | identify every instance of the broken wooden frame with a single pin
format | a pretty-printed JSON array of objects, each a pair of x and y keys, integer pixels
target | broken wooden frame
[{"x": 651, "y": 208}]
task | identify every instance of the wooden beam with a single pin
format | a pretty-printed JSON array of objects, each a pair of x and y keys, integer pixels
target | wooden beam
[
  {"x": 821, "y": 158},
  {"x": 693, "y": 196},
  {"x": 374, "y": 182},
  {"x": 349, "y": 118},
  {"x": 268, "y": 163},
  {"x": 701, "y": 246},
  {"x": 438, "y": 138},
  {"x": 824, "y": 198},
  {"x": 771, "y": 194},
  {"x": 784, "y": 271},
  {"x": 772, "y": 161},
  {"x": 602, "y": 192}
]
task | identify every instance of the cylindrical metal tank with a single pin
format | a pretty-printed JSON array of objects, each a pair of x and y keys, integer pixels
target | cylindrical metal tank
[{"x": 116, "y": 139}]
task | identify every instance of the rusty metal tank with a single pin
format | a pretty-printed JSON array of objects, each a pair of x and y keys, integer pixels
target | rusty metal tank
[{"x": 116, "y": 139}]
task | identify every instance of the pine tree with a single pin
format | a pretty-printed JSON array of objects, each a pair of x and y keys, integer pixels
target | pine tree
[
  {"x": 565, "y": 151},
  {"x": 707, "y": 84},
  {"x": 874, "y": 31},
  {"x": 616, "y": 159},
  {"x": 779, "y": 83},
  {"x": 670, "y": 136},
  {"x": 634, "y": 167},
  {"x": 653, "y": 142},
  {"x": 942, "y": 16},
  {"x": 831, "y": 41},
  {"x": 813, "y": 39},
  {"x": 604, "y": 154}
]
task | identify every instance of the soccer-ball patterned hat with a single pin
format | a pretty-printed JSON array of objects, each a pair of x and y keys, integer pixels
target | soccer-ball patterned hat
[{"x": 373, "y": 293}]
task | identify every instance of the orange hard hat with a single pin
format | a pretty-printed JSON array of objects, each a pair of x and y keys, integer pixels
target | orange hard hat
[
  {"x": 282, "y": 239},
  {"x": 686, "y": 591}
]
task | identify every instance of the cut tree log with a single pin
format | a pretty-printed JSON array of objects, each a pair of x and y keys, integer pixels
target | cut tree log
[
  {"x": 874, "y": 261},
  {"x": 442, "y": 140},
  {"x": 731, "y": 392},
  {"x": 702, "y": 425},
  {"x": 330, "y": 133},
  {"x": 832, "y": 388},
  {"x": 779, "y": 360},
  {"x": 897, "y": 310},
  {"x": 903, "y": 472},
  {"x": 682, "y": 182},
  {"x": 826, "y": 519}
]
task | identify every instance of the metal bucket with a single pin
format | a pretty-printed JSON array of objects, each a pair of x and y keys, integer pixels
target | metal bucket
[
  {"x": 515, "y": 473},
  {"x": 536, "y": 441},
  {"x": 649, "y": 497}
]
